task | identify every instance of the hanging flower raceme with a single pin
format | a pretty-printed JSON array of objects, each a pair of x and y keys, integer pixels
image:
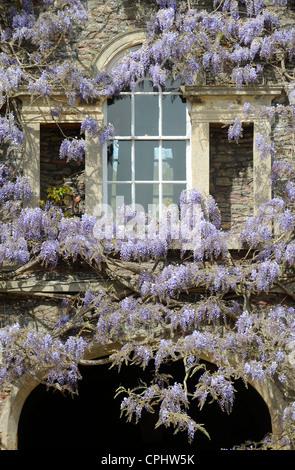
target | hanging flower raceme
[
  {"x": 52, "y": 22},
  {"x": 16, "y": 190},
  {"x": 220, "y": 388},
  {"x": 89, "y": 125},
  {"x": 73, "y": 149},
  {"x": 166, "y": 3},
  {"x": 165, "y": 18},
  {"x": 10, "y": 133},
  {"x": 26, "y": 350},
  {"x": 106, "y": 134},
  {"x": 49, "y": 252}
]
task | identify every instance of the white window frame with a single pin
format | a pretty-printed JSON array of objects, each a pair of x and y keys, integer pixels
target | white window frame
[{"x": 157, "y": 137}]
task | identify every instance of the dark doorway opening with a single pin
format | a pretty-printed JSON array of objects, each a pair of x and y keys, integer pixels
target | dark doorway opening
[{"x": 91, "y": 420}]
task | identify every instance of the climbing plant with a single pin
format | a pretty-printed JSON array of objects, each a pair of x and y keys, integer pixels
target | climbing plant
[{"x": 177, "y": 292}]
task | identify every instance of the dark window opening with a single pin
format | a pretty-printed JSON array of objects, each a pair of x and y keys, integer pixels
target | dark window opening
[
  {"x": 56, "y": 173},
  {"x": 231, "y": 174}
]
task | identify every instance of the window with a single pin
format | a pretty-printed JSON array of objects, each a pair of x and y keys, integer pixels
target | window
[
  {"x": 163, "y": 144},
  {"x": 146, "y": 163}
]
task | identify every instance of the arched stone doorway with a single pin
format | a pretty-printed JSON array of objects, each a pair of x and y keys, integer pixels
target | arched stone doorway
[{"x": 91, "y": 420}]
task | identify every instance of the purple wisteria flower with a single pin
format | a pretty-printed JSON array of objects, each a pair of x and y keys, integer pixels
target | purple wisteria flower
[
  {"x": 13, "y": 190},
  {"x": 255, "y": 371},
  {"x": 166, "y": 3},
  {"x": 12, "y": 77},
  {"x": 220, "y": 388},
  {"x": 265, "y": 146},
  {"x": 89, "y": 125},
  {"x": 73, "y": 149},
  {"x": 10, "y": 133},
  {"x": 106, "y": 134},
  {"x": 41, "y": 86},
  {"x": 165, "y": 18},
  {"x": 38, "y": 351},
  {"x": 62, "y": 321},
  {"x": 264, "y": 274},
  {"x": 246, "y": 75},
  {"x": 49, "y": 252},
  {"x": 143, "y": 354},
  {"x": 56, "y": 111},
  {"x": 290, "y": 254},
  {"x": 42, "y": 30},
  {"x": 290, "y": 190}
]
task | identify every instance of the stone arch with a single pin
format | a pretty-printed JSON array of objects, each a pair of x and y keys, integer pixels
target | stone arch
[
  {"x": 268, "y": 391},
  {"x": 116, "y": 48},
  {"x": 11, "y": 411},
  {"x": 14, "y": 403}
]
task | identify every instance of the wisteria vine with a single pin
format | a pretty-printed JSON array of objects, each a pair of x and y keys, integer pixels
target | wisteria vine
[{"x": 184, "y": 295}]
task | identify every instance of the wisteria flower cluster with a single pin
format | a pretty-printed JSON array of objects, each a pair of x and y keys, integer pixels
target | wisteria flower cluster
[
  {"x": 186, "y": 43},
  {"x": 73, "y": 149},
  {"x": 10, "y": 134},
  {"x": 41, "y": 355}
]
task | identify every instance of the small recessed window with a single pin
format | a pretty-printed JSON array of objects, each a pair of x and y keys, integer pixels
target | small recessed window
[
  {"x": 231, "y": 174},
  {"x": 56, "y": 173}
]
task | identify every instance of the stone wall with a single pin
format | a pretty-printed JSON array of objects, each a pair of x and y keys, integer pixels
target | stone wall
[
  {"x": 231, "y": 174},
  {"x": 107, "y": 18},
  {"x": 29, "y": 311}
]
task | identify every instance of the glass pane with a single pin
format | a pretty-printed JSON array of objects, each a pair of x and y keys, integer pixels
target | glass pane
[
  {"x": 147, "y": 160},
  {"x": 174, "y": 160},
  {"x": 119, "y": 161},
  {"x": 171, "y": 193},
  {"x": 119, "y": 194},
  {"x": 144, "y": 85},
  {"x": 174, "y": 115},
  {"x": 146, "y": 115},
  {"x": 119, "y": 114},
  {"x": 147, "y": 196},
  {"x": 173, "y": 85}
]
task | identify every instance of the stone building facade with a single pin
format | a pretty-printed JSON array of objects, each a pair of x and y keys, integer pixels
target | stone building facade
[{"x": 232, "y": 173}]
